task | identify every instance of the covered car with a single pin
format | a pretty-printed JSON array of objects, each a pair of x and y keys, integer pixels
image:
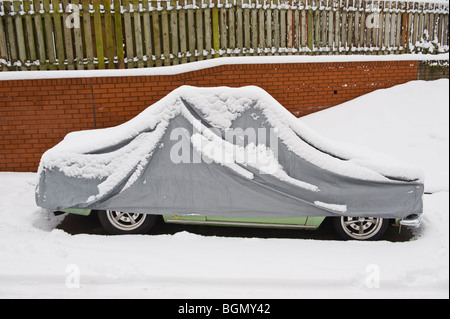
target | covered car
[{"x": 228, "y": 152}]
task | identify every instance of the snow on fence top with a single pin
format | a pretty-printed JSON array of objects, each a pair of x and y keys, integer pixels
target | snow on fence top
[{"x": 118, "y": 34}]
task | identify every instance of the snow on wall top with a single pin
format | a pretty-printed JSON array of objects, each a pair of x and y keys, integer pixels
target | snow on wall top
[{"x": 204, "y": 64}]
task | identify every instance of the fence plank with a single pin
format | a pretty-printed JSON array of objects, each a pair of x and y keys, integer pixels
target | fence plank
[
  {"x": 67, "y": 30},
  {"x": 215, "y": 31},
  {"x": 290, "y": 31},
  {"x": 323, "y": 26},
  {"x": 398, "y": 32},
  {"x": 48, "y": 25},
  {"x": 138, "y": 34},
  {"x": 191, "y": 34},
  {"x": 357, "y": 21},
  {"x": 441, "y": 28},
  {"x": 3, "y": 46},
  {"x": 269, "y": 41},
  {"x": 98, "y": 35},
  {"x": 199, "y": 31},
  {"x": 421, "y": 18},
  {"x": 78, "y": 35},
  {"x": 344, "y": 21},
  {"x": 208, "y": 31},
  {"x": 59, "y": 35},
  {"x": 408, "y": 36},
  {"x": 173, "y": 30},
  {"x": 350, "y": 27},
  {"x": 119, "y": 35},
  {"x": 297, "y": 29},
  {"x": 232, "y": 29},
  {"x": 303, "y": 27},
  {"x": 31, "y": 45},
  {"x": 261, "y": 31},
  {"x": 380, "y": 32},
  {"x": 165, "y": 36},
  {"x": 40, "y": 40},
  {"x": 331, "y": 29},
  {"x": 89, "y": 46},
  {"x": 337, "y": 28},
  {"x": 223, "y": 27},
  {"x": 362, "y": 28},
  {"x": 109, "y": 34},
  {"x": 431, "y": 22},
  {"x": 369, "y": 31},
  {"x": 18, "y": 25},
  {"x": 147, "y": 33},
  {"x": 393, "y": 30},
  {"x": 246, "y": 27},
  {"x": 239, "y": 28},
  {"x": 129, "y": 47},
  {"x": 387, "y": 29},
  {"x": 375, "y": 27},
  {"x": 183, "y": 37},
  {"x": 156, "y": 33},
  {"x": 11, "y": 35},
  {"x": 444, "y": 30},
  {"x": 254, "y": 28}
]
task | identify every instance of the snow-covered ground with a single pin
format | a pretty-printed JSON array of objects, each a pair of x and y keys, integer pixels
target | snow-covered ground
[{"x": 408, "y": 122}]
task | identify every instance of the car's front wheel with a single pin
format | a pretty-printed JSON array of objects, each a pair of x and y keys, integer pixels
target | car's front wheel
[
  {"x": 121, "y": 223},
  {"x": 361, "y": 228}
]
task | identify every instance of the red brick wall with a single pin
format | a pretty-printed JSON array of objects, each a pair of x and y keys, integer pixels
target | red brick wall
[{"x": 36, "y": 114}]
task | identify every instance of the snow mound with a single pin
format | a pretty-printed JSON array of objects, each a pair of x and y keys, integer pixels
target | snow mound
[{"x": 410, "y": 122}]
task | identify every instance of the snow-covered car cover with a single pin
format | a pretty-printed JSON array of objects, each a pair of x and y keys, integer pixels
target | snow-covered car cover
[{"x": 229, "y": 152}]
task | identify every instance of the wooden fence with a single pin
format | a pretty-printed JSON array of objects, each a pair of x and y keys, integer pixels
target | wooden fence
[{"x": 90, "y": 34}]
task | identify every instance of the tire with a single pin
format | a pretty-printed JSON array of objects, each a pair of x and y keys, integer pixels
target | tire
[
  {"x": 123, "y": 223},
  {"x": 360, "y": 228}
]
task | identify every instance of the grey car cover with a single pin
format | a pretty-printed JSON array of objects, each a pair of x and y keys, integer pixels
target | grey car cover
[{"x": 229, "y": 152}]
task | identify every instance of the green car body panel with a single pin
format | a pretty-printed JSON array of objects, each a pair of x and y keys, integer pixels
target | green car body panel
[{"x": 290, "y": 222}]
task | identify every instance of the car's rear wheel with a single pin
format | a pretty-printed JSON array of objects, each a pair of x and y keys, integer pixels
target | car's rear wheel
[
  {"x": 121, "y": 223},
  {"x": 361, "y": 228}
]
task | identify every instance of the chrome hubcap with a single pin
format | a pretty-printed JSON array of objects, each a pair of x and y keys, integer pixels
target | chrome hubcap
[
  {"x": 361, "y": 227},
  {"x": 125, "y": 221}
]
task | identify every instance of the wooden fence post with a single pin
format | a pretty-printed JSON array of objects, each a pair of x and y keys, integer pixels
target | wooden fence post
[
  {"x": 208, "y": 29},
  {"x": 31, "y": 44},
  {"x": 119, "y": 35},
  {"x": 48, "y": 26},
  {"x": 67, "y": 26},
  {"x": 215, "y": 29},
  {"x": 3, "y": 47},
  {"x": 199, "y": 30},
  {"x": 18, "y": 26},
  {"x": 59, "y": 36},
  {"x": 310, "y": 30},
  {"x": 109, "y": 34},
  {"x": 138, "y": 34},
  {"x": 88, "y": 35},
  {"x": 98, "y": 35},
  {"x": 165, "y": 34},
  {"x": 174, "y": 31},
  {"x": 223, "y": 33}
]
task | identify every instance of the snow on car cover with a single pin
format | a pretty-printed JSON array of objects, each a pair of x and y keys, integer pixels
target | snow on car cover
[{"x": 230, "y": 152}]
